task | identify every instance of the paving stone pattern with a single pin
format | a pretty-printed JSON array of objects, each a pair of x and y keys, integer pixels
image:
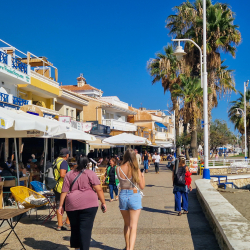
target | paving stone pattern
[{"x": 159, "y": 227}]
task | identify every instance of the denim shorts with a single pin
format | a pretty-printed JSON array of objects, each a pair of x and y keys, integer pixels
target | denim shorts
[{"x": 129, "y": 200}]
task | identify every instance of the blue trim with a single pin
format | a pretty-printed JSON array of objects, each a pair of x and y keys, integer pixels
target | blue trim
[
  {"x": 206, "y": 173},
  {"x": 9, "y": 105},
  {"x": 161, "y": 125}
]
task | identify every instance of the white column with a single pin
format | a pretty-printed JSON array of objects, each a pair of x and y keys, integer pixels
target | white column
[{"x": 206, "y": 172}]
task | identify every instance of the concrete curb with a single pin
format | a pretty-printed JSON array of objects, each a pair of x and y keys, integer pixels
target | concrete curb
[{"x": 231, "y": 229}]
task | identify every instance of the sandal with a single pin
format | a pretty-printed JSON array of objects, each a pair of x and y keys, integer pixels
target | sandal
[
  {"x": 111, "y": 200},
  {"x": 179, "y": 214},
  {"x": 185, "y": 212},
  {"x": 66, "y": 227},
  {"x": 116, "y": 198},
  {"x": 58, "y": 228}
]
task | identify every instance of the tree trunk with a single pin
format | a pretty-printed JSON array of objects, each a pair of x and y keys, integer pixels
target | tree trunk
[
  {"x": 211, "y": 104},
  {"x": 186, "y": 145},
  {"x": 193, "y": 144},
  {"x": 177, "y": 134},
  {"x": 248, "y": 142}
]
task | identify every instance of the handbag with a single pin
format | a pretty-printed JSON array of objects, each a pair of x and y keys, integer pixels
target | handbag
[{"x": 141, "y": 193}]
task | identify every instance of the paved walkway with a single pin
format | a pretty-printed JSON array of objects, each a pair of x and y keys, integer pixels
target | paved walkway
[{"x": 159, "y": 227}]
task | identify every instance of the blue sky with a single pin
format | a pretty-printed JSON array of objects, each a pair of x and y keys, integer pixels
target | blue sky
[{"x": 110, "y": 42}]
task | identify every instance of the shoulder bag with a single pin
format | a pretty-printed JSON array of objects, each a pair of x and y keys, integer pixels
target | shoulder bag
[
  {"x": 71, "y": 185},
  {"x": 141, "y": 193}
]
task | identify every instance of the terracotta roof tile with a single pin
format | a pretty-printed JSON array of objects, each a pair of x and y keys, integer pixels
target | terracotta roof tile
[{"x": 75, "y": 87}]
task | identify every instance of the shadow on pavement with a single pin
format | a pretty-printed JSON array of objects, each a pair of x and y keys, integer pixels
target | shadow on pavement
[
  {"x": 201, "y": 232},
  {"x": 100, "y": 245},
  {"x": 43, "y": 244},
  {"x": 153, "y": 210}
]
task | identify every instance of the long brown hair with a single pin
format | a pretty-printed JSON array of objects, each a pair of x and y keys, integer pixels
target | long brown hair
[{"x": 130, "y": 158}]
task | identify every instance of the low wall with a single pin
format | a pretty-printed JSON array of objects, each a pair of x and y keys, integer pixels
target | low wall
[
  {"x": 239, "y": 181},
  {"x": 218, "y": 170},
  {"x": 231, "y": 229}
]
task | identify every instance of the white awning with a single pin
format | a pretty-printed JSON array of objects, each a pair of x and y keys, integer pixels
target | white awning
[
  {"x": 127, "y": 139},
  {"x": 164, "y": 144},
  {"x": 21, "y": 121}
]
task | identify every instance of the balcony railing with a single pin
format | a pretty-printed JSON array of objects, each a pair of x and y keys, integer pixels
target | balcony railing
[
  {"x": 160, "y": 135},
  {"x": 19, "y": 101},
  {"x": 17, "y": 64},
  {"x": 4, "y": 97},
  {"x": 119, "y": 125},
  {"x": 3, "y": 57}
]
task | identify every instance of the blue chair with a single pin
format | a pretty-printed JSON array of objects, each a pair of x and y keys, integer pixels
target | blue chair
[{"x": 38, "y": 186}]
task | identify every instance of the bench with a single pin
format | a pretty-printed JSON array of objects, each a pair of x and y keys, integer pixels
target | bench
[{"x": 223, "y": 183}]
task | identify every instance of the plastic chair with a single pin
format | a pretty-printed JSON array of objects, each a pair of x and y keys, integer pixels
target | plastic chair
[
  {"x": 20, "y": 193},
  {"x": 38, "y": 186}
]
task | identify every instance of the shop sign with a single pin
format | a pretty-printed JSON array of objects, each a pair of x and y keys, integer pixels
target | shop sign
[
  {"x": 193, "y": 165},
  {"x": 31, "y": 109},
  {"x": 64, "y": 119},
  {"x": 15, "y": 73},
  {"x": 34, "y": 133},
  {"x": 87, "y": 126}
]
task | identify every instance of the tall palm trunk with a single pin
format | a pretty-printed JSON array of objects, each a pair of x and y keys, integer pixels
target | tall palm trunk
[
  {"x": 177, "y": 130},
  {"x": 186, "y": 146},
  {"x": 193, "y": 144},
  {"x": 211, "y": 85}
]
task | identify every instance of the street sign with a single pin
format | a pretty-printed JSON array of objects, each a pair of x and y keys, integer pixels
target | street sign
[{"x": 202, "y": 123}]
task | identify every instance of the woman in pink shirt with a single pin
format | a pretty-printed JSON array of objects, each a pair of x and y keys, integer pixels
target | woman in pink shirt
[{"x": 81, "y": 203}]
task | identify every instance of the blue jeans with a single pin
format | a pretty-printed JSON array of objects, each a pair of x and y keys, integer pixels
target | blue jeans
[
  {"x": 113, "y": 188},
  {"x": 145, "y": 164},
  {"x": 178, "y": 194}
]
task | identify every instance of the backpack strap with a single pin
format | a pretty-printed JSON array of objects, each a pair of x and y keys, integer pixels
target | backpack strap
[{"x": 56, "y": 168}]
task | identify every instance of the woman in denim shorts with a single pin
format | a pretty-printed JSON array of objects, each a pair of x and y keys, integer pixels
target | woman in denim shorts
[{"x": 130, "y": 177}]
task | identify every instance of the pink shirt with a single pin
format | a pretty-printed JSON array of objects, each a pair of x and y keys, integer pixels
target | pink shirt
[{"x": 82, "y": 195}]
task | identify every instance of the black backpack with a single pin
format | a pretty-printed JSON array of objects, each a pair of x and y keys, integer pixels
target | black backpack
[
  {"x": 50, "y": 180},
  {"x": 180, "y": 177}
]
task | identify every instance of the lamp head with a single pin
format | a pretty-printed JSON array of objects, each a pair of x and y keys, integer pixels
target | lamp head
[
  {"x": 237, "y": 113},
  {"x": 179, "y": 52}
]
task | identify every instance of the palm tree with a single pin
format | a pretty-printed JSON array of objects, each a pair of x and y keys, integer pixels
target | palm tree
[
  {"x": 239, "y": 120},
  {"x": 191, "y": 92},
  {"x": 166, "y": 68},
  {"x": 222, "y": 36}
]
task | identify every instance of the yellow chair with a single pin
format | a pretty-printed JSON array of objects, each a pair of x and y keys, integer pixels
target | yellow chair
[{"x": 20, "y": 193}]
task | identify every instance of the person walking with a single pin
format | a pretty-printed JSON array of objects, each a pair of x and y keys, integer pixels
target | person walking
[
  {"x": 112, "y": 180},
  {"x": 81, "y": 203},
  {"x": 60, "y": 172},
  {"x": 145, "y": 161},
  {"x": 157, "y": 159},
  {"x": 180, "y": 188},
  {"x": 138, "y": 157},
  {"x": 130, "y": 177}
]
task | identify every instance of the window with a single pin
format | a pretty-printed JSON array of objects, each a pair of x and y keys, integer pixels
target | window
[
  {"x": 111, "y": 116},
  {"x": 78, "y": 115},
  {"x": 67, "y": 112},
  {"x": 72, "y": 114}
]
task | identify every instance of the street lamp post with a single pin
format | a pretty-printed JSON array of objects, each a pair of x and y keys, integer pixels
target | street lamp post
[
  {"x": 245, "y": 124},
  {"x": 245, "y": 116},
  {"x": 179, "y": 53}
]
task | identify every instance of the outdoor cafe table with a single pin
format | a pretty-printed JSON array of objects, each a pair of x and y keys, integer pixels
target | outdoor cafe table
[{"x": 7, "y": 215}]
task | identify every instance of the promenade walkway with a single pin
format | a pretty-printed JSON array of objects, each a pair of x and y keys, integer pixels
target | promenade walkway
[{"x": 159, "y": 228}]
